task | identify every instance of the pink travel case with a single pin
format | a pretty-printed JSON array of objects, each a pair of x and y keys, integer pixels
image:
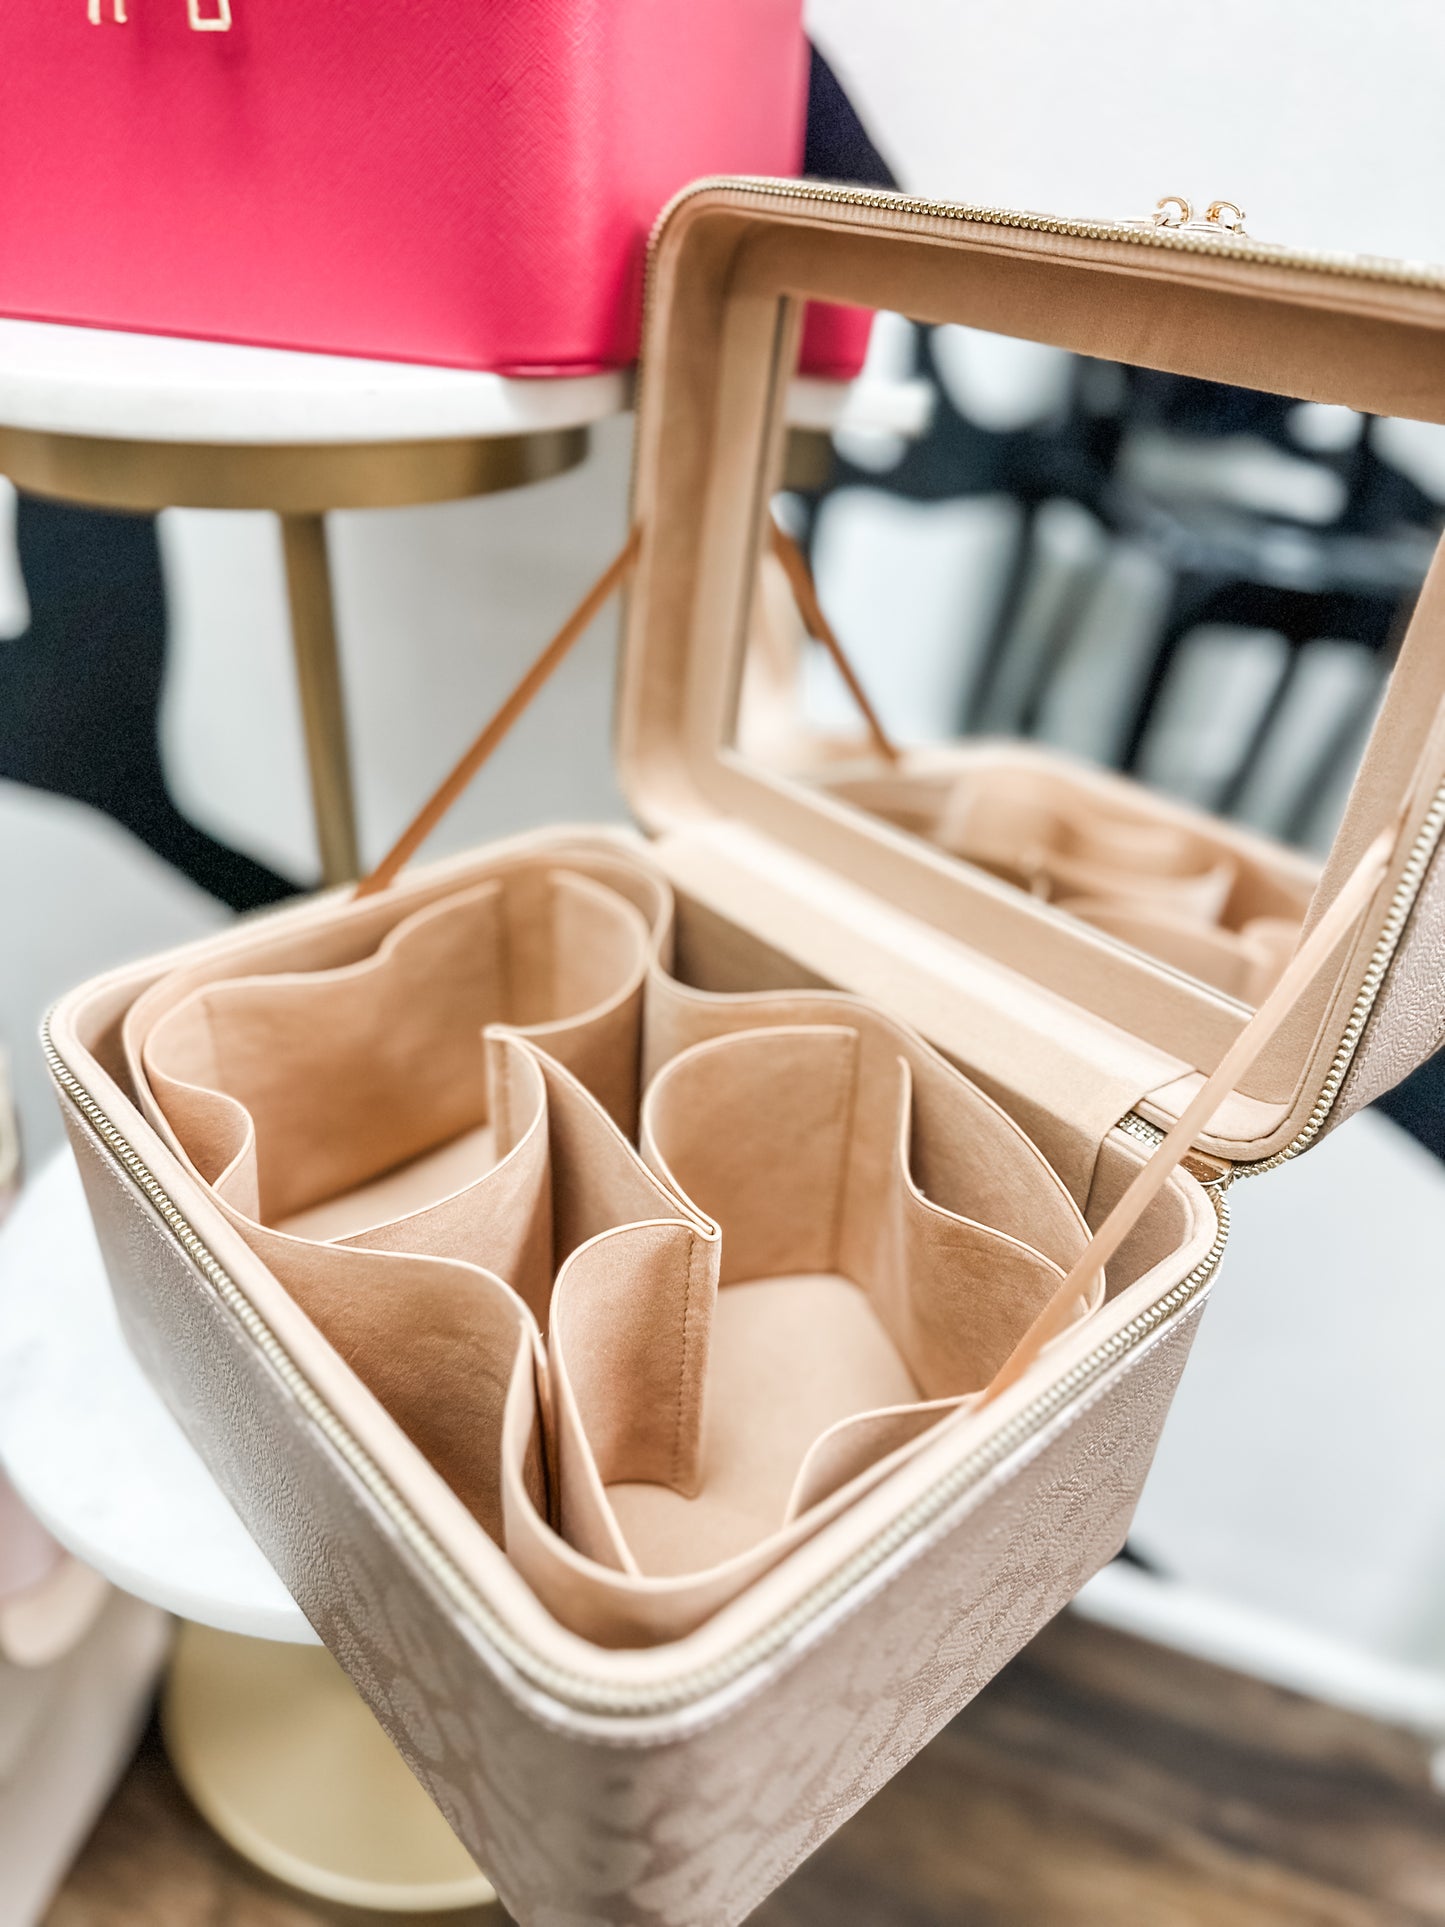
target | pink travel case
[{"x": 426, "y": 183}]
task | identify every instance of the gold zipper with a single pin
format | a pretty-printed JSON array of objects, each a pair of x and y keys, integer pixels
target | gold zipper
[
  {"x": 1212, "y": 238},
  {"x": 1422, "y": 851},
  {"x": 581, "y": 1691}
]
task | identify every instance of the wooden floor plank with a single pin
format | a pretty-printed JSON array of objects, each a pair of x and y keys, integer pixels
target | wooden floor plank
[{"x": 1098, "y": 1782}]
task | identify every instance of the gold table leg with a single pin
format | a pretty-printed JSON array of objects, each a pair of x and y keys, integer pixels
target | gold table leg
[
  {"x": 299, "y": 481},
  {"x": 323, "y": 710}
]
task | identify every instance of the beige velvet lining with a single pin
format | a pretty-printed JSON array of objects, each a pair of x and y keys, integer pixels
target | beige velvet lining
[
  {"x": 717, "y": 950},
  {"x": 649, "y": 1370},
  {"x": 791, "y": 1357},
  {"x": 730, "y": 272}
]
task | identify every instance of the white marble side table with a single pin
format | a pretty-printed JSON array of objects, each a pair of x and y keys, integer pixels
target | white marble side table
[
  {"x": 264, "y": 1730},
  {"x": 146, "y": 422}
]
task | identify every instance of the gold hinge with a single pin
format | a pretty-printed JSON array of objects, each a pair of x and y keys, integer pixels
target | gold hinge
[
  {"x": 1220, "y": 219},
  {"x": 1211, "y": 1172}
]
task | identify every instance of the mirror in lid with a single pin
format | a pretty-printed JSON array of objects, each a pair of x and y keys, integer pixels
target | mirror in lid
[{"x": 1112, "y": 637}]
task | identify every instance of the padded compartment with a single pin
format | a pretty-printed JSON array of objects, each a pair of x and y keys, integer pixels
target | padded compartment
[
  {"x": 333, "y": 1099},
  {"x": 1187, "y": 892},
  {"x": 852, "y": 1311},
  {"x": 659, "y": 1279}
]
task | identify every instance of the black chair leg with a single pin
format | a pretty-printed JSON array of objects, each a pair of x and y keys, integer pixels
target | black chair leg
[
  {"x": 80, "y": 690},
  {"x": 1186, "y": 611},
  {"x": 984, "y": 682}
]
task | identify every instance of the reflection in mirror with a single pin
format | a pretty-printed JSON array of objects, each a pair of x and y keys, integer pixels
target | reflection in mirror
[{"x": 1114, "y": 636}]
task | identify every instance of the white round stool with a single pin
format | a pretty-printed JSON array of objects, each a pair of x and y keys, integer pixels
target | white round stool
[{"x": 264, "y": 1730}]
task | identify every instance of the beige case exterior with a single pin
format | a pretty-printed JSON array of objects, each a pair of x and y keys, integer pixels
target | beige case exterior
[
  {"x": 679, "y": 1784},
  {"x": 686, "y": 1818}
]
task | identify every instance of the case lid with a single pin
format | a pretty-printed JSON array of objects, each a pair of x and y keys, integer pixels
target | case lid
[{"x": 1047, "y": 1011}]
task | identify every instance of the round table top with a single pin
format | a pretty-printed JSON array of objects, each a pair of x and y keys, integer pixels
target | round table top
[
  {"x": 104, "y": 382},
  {"x": 90, "y": 1446},
  {"x": 878, "y": 403}
]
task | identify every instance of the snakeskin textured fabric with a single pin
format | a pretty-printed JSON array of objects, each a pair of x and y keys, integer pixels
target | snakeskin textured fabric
[{"x": 687, "y": 1819}]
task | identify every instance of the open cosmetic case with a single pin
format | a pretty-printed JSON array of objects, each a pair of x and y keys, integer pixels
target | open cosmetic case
[{"x": 636, "y": 1287}]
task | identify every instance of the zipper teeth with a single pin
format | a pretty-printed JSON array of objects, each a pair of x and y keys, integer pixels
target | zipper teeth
[
  {"x": 582, "y": 1692},
  {"x": 1423, "y": 849},
  {"x": 1427, "y": 841},
  {"x": 1139, "y": 1127},
  {"x": 1401, "y": 904},
  {"x": 576, "y": 1689},
  {"x": 1357, "y": 267}
]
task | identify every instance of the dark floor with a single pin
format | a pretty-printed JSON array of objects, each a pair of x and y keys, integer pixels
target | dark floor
[{"x": 1098, "y": 1782}]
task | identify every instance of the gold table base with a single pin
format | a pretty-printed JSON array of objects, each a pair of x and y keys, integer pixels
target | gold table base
[{"x": 278, "y": 1753}]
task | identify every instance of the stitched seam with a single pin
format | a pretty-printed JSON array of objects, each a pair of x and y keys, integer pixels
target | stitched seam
[
  {"x": 687, "y": 1310},
  {"x": 527, "y": 1701},
  {"x": 494, "y": 937},
  {"x": 503, "y": 1126},
  {"x": 847, "y": 1102}
]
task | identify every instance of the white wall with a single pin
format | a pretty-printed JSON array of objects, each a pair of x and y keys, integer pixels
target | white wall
[
  {"x": 439, "y": 611},
  {"x": 1322, "y": 118}
]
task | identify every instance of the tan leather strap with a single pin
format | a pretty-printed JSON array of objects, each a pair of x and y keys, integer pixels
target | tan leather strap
[
  {"x": 1310, "y": 958},
  {"x": 805, "y": 594},
  {"x": 502, "y": 720},
  {"x": 510, "y": 711}
]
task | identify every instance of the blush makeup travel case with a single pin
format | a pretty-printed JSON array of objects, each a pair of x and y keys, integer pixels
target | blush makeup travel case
[{"x": 681, "y": 1307}]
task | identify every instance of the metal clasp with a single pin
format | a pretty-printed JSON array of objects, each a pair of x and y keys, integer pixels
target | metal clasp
[
  {"x": 1172, "y": 210},
  {"x": 1219, "y": 218},
  {"x": 1226, "y": 214}
]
